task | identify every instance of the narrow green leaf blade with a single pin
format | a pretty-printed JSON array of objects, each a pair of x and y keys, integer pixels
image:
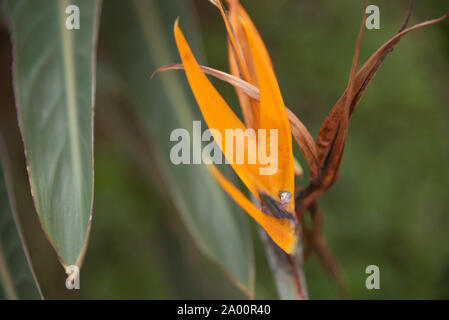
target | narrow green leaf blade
[
  {"x": 16, "y": 278},
  {"x": 140, "y": 43},
  {"x": 54, "y": 84}
]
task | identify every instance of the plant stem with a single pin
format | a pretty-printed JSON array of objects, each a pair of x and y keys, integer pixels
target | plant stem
[{"x": 287, "y": 269}]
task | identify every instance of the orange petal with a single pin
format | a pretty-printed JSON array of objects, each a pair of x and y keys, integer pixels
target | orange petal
[
  {"x": 240, "y": 63},
  {"x": 233, "y": 42},
  {"x": 280, "y": 231},
  {"x": 219, "y": 116},
  {"x": 237, "y": 16},
  {"x": 272, "y": 114},
  {"x": 250, "y": 109}
]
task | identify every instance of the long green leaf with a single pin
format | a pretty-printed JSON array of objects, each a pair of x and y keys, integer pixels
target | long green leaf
[
  {"x": 54, "y": 88},
  {"x": 16, "y": 277},
  {"x": 138, "y": 38}
]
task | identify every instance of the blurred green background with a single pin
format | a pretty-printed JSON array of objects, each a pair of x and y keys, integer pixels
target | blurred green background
[{"x": 389, "y": 208}]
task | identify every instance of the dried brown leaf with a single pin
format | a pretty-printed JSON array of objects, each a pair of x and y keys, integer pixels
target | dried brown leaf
[
  {"x": 247, "y": 88},
  {"x": 306, "y": 144},
  {"x": 363, "y": 77},
  {"x": 333, "y": 131}
]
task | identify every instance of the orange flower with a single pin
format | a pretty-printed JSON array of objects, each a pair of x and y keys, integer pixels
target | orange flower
[
  {"x": 267, "y": 114},
  {"x": 253, "y": 77}
]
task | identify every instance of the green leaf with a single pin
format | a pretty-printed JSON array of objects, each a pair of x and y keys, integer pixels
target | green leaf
[
  {"x": 138, "y": 38},
  {"x": 54, "y": 79},
  {"x": 16, "y": 277}
]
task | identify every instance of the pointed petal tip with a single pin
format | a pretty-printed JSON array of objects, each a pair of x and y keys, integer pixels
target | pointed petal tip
[
  {"x": 280, "y": 231},
  {"x": 155, "y": 73},
  {"x": 176, "y": 24},
  {"x": 290, "y": 246}
]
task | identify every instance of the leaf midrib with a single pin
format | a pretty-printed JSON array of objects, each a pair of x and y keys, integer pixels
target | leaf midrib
[{"x": 71, "y": 101}]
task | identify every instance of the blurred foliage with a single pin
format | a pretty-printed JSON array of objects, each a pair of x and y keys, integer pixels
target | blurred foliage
[{"x": 389, "y": 208}]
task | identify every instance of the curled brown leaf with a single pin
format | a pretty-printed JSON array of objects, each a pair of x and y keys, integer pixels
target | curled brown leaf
[
  {"x": 247, "y": 88},
  {"x": 363, "y": 77},
  {"x": 306, "y": 144}
]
